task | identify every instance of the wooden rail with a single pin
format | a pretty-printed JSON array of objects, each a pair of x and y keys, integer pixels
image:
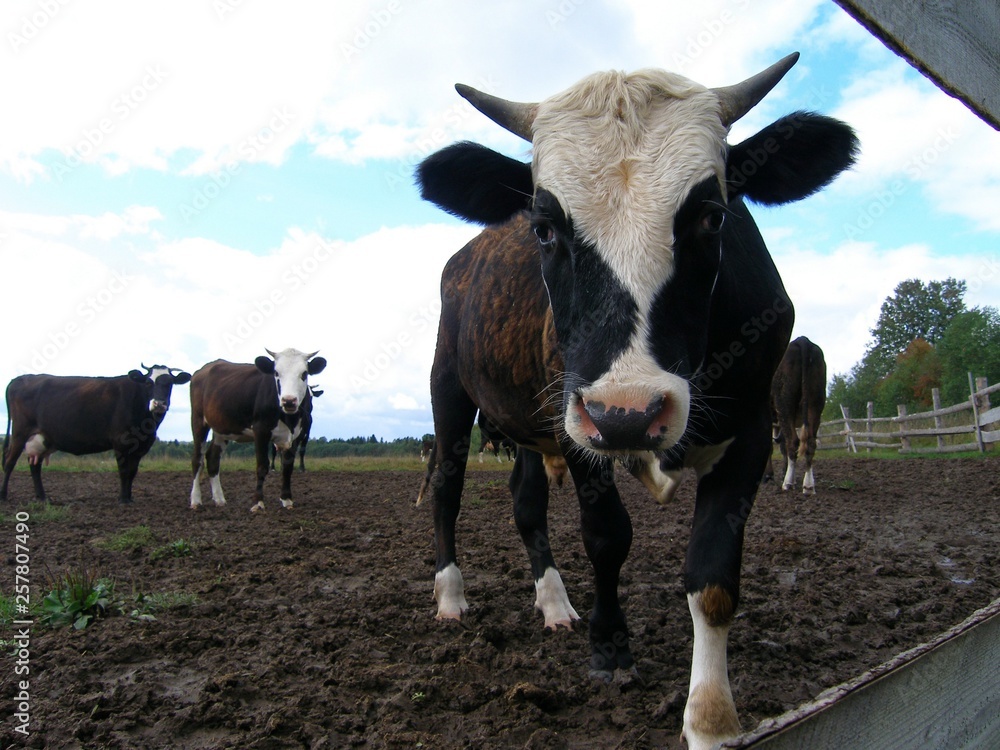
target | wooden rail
[{"x": 973, "y": 417}]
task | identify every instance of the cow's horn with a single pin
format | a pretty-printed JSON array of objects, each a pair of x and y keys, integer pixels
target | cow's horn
[
  {"x": 735, "y": 101},
  {"x": 310, "y": 356},
  {"x": 273, "y": 355},
  {"x": 513, "y": 116}
]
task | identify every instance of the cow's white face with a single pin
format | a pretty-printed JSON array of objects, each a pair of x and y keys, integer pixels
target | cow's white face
[
  {"x": 291, "y": 370},
  {"x": 622, "y": 164}
]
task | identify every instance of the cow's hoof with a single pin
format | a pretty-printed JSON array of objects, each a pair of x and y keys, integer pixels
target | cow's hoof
[
  {"x": 258, "y": 507},
  {"x": 286, "y": 503}
]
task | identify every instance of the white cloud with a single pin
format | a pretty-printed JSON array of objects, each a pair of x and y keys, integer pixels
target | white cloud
[
  {"x": 838, "y": 295},
  {"x": 370, "y": 307}
]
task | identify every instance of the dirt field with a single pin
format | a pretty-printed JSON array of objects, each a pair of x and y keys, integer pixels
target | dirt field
[{"x": 314, "y": 627}]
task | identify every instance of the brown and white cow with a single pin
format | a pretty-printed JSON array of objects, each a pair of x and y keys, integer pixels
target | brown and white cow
[
  {"x": 623, "y": 305},
  {"x": 262, "y": 403},
  {"x": 798, "y": 395},
  {"x": 81, "y": 415},
  {"x": 493, "y": 440}
]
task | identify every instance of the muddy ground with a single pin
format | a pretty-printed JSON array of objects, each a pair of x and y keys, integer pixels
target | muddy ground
[{"x": 314, "y": 627}]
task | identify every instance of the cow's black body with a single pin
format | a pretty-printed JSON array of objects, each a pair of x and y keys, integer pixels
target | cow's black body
[{"x": 82, "y": 415}]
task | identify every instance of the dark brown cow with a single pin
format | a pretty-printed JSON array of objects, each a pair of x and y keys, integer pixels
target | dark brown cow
[
  {"x": 81, "y": 415},
  {"x": 262, "y": 403},
  {"x": 622, "y": 305},
  {"x": 798, "y": 395}
]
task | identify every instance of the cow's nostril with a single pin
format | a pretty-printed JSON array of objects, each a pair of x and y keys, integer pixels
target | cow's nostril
[{"x": 619, "y": 427}]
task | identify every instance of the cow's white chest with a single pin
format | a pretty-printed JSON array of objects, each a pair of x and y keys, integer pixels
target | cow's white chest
[{"x": 283, "y": 437}]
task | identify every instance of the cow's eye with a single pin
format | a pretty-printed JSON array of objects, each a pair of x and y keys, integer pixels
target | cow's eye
[
  {"x": 713, "y": 220},
  {"x": 304, "y": 376},
  {"x": 546, "y": 235}
]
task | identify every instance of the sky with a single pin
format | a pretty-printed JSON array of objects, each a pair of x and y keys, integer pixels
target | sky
[{"x": 187, "y": 181}]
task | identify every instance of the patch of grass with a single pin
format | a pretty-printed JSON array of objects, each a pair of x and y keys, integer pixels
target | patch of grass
[
  {"x": 78, "y": 597},
  {"x": 8, "y": 611},
  {"x": 177, "y": 548},
  {"x": 40, "y": 512},
  {"x": 128, "y": 540},
  {"x": 144, "y": 606}
]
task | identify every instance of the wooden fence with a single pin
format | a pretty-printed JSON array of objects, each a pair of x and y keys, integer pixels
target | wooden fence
[{"x": 967, "y": 426}]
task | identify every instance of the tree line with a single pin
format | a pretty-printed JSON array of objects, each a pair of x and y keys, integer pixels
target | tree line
[{"x": 926, "y": 337}]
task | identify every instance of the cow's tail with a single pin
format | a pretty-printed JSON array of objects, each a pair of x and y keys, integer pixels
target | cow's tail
[
  {"x": 803, "y": 400},
  {"x": 425, "y": 486}
]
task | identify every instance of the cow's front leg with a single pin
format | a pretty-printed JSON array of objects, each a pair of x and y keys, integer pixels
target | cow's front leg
[
  {"x": 529, "y": 485},
  {"x": 287, "y": 468},
  {"x": 261, "y": 443},
  {"x": 607, "y": 537},
  {"x": 726, "y": 492},
  {"x": 128, "y": 467}
]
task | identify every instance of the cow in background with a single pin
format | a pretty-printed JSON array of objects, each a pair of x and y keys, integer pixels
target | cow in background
[
  {"x": 798, "y": 395},
  {"x": 303, "y": 439},
  {"x": 493, "y": 440},
  {"x": 426, "y": 446},
  {"x": 623, "y": 304},
  {"x": 81, "y": 415},
  {"x": 262, "y": 403}
]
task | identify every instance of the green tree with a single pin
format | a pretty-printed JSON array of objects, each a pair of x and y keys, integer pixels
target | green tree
[
  {"x": 971, "y": 343},
  {"x": 912, "y": 380},
  {"x": 915, "y": 311}
]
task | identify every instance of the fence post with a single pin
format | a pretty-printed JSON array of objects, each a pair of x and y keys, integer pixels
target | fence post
[
  {"x": 938, "y": 419},
  {"x": 848, "y": 437},
  {"x": 869, "y": 424},
  {"x": 975, "y": 414},
  {"x": 983, "y": 398},
  {"x": 904, "y": 442}
]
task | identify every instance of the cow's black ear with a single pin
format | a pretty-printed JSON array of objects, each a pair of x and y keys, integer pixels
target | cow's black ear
[
  {"x": 180, "y": 378},
  {"x": 791, "y": 158},
  {"x": 138, "y": 376},
  {"x": 475, "y": 183},
  {"x": 316, "y": 365},
  {"x": 265, "y": 364}
]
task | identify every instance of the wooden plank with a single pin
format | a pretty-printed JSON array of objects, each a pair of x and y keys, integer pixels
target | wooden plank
[
  {"x": 991, "y": 436},
  {"x": 960, "y": 448},
  {"x": 963, "y": 406},
  {"x": 955, "y": 44},
  {"x": 943, "y": 694},
  {"x": 989, "y": 416},
  {"x": 935, "y": 431}
]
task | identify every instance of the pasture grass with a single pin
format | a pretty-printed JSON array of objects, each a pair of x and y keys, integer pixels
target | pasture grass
[
  {"x": 76, "y": 598},
  {"x": 39, "y": 512},
  {"x": 9, "y": 613},
  {"x": 134, "y": 538},
  {"x": 81, "y": 595}
]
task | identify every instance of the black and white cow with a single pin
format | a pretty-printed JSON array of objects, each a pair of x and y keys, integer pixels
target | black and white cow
[
  {"x": 303, "y": 439},
  {"x": 643, "y": 318},
  {"x": 81, "y": 415},
  {"x": 242, "y": 402},
  {"x": 798, "y": 396}
]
